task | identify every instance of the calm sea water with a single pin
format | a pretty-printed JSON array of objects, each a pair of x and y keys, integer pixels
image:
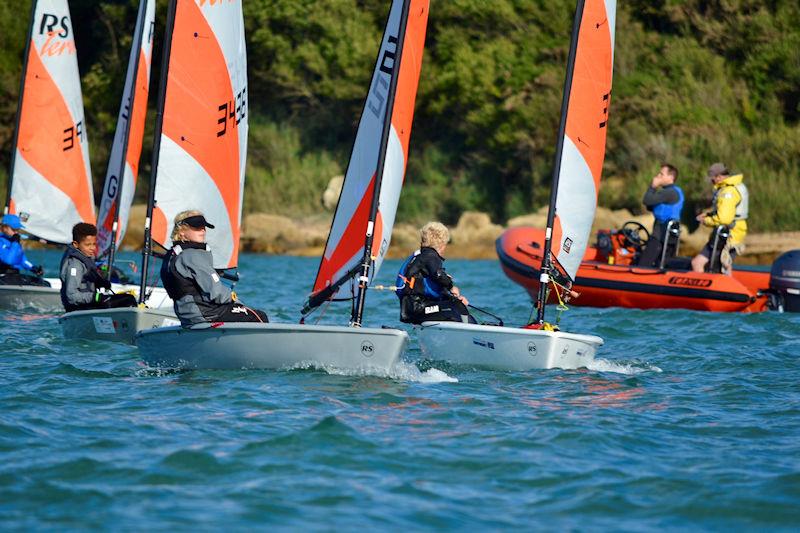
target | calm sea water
[{"x": 687, "y": 420}]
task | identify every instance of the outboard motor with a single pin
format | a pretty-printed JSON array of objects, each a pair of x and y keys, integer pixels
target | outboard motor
[{"x": 784, "y": 281}]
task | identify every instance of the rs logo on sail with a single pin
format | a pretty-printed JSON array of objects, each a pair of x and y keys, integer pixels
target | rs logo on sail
[{"x": 57, "y": 30}]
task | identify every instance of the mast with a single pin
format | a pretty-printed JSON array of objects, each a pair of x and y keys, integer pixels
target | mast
[
  {"x": 363, "y": 279},
  {"x": 162, "y": 95},
  {"x": 547, "y": 262},
  {"x": 19, "y": 107},
  {"x": 135, "y": 46}
]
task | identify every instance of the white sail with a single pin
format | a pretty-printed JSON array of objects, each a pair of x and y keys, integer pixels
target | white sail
[
  {"x": 585, "y": 135},
  {"x": 139, "y": 65},
  {"x": 203, "y": 144},
  {"x": 51, "y": 181},
  {"x": 345, "y": 246}
]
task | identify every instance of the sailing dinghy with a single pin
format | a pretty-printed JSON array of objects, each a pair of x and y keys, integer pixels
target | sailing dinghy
[
  {"x": 121, "y": 324},
  {"x": 576, "y": 177},
  {"x": 358, "y": 241},
  {"x": 50, "y": 181}
]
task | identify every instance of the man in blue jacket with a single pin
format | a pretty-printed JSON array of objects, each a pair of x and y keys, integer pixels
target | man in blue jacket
[
  {"x": 12, "y": 256},
  {"x": 665, "y": 200}
]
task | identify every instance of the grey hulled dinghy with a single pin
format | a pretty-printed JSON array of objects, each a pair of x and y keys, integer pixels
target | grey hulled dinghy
[
  {"x": 273, "y": 346},
  {"x": 503, "y": 348},
  {"x": 33, "y": 298},
  {"x": 576, "y": 176},
  {"x": 118, "y": 325},
  {"x": 374, "y": 178}
]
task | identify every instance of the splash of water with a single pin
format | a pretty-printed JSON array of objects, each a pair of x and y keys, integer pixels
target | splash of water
[{"x": 631, "y": 368}]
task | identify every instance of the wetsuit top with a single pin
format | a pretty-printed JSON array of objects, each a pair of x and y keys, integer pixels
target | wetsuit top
[
  {"x": 665, "y": 202},
  {"x": 423, "y": 274},
  {"x": 12, "y": 254},
  {"x": 79, "y": 278},
  {"x": 189, "y": 277}
]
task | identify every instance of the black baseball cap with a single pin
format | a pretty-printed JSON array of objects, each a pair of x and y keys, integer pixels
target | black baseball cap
[{"x": 197, "y": 221}]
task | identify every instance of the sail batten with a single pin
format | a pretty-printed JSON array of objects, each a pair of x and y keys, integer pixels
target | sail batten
[
  {"x": 202, "y": 142},
  {"x": 358, "y": 210},
  {"x": 123, "y": 164},
  {"x": 50, "y": 181}
]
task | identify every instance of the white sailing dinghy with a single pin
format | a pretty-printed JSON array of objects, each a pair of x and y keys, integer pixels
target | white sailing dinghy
[
  {"x": 357, "y": 244},
  {"x": 50, "y": 180},
  {"x": 122, "y": 324},
  {"x": 576, "y": 178}
]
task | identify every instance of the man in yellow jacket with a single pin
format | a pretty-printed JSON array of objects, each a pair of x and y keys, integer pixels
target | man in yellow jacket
[{"x": 730, "y": 207}]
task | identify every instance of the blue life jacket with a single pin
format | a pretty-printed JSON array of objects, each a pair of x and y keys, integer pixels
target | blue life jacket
[
  {"x": 12, "y": 254},
  {"x": 666, "y": 212},
  {"x": 406, "y": 285}
]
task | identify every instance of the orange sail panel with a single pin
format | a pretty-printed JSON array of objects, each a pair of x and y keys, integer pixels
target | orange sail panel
[
  {"x": 51, "y": 181},
  {"x": 203, "y": 145},
  {"x": 116, "y": 190},
  {"x": 585, "y": 139},
  {"x": 345, "y": 247}
]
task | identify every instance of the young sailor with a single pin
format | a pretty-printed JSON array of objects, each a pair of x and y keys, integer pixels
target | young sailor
[
  {"x": 426, "y": 291},
  {"x": 730, "y": 210},
  {"x": 12, "y": 256},
  {"x": 191, "y": 281},
  {"x": 665, "y": 200},
  {"x": 80, "y": 277}
]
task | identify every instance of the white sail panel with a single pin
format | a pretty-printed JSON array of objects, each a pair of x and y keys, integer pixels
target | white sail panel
[
  {"x": 52, "y": 138},
  {"x": 585, "y": 135},
  {"x": 204, "y": 130},
  {"x": 345, "y": 246},
  {"x": 139, "y": 64}
]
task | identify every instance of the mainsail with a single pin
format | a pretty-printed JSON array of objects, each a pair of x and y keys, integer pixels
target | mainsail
[
  {"x": 581, "y": 143},
  {"x": 389, "y": 106},
  {"x": 50, "y": 179},
  {"x": 119, "y": 186},
  {"x": 200, "y": 147},
  {"x": 584, "y": 139}
]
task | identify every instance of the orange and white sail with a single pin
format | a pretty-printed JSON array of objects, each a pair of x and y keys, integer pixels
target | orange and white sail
[
  {"x": 128, "y": 138},
  {"x": 51, "y": 180},
  {"x": 584, "y": 140},
  {"x": 203, "y": 143},
  {"x": 345, "y": 247}
]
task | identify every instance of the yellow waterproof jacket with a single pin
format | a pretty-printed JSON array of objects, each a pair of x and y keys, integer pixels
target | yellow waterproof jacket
[{"x": 726, "y": 200}]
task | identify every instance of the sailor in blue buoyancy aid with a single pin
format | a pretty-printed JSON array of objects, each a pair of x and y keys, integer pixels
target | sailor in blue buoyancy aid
[
  {"x": 665, "y": 200},
  {"x": 426, "y": 291},
  {"x": 12, "y": 257}
]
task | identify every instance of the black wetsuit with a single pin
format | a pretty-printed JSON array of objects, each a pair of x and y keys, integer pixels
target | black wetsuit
[{"x": 426, "y": 297}]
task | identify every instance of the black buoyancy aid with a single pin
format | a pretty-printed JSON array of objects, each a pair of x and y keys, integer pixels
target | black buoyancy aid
[
  {"x": 176, "y": 285},
  {"x": 412, "y": 280}
]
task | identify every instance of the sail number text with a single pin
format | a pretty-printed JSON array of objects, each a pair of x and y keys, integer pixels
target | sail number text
[
  {"x": 232, "y": 112},
  {"x": 72, "y": 134}
]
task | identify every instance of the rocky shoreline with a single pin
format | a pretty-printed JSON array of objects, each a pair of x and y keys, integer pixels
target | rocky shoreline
[{"x": 472, "y": 238}]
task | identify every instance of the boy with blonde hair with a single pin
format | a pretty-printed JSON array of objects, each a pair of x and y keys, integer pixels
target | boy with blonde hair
[{"x": 426, "y": 291}]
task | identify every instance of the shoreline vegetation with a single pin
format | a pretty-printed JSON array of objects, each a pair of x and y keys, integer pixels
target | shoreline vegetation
[
  {"x": 695, "y": 82},
  {"x": 473, "y": 237}
]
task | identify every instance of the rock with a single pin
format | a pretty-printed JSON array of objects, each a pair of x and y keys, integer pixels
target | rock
[
  {"x": 331, "y": 195},
  {"x": 134, "y": 234},
  {"x": 475, "y": 228},
  {"x": 278, "y": 234},
  {"x": 405, "y": 239}
]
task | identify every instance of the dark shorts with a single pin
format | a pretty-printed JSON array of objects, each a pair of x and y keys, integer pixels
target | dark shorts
[{"x": 706, "y": 251}]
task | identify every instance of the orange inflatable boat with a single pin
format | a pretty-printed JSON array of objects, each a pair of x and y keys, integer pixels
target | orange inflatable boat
[{"x": 604, "y": 280}]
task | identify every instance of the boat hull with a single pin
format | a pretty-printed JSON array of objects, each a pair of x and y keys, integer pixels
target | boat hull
[
  {"x": 604, "y": 285},
  {"x": 48, "y": 299},
  {"x": 117, "y": 325},
  {"x": 272, "y": 346},
  {"x": 503, "y": 348}
]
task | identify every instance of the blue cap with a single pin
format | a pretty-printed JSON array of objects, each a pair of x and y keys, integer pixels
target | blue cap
[{"x": 12, "y": 221}]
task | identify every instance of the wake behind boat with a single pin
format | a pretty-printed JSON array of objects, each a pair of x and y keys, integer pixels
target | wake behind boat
[{"x": 578, "y": 165}]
